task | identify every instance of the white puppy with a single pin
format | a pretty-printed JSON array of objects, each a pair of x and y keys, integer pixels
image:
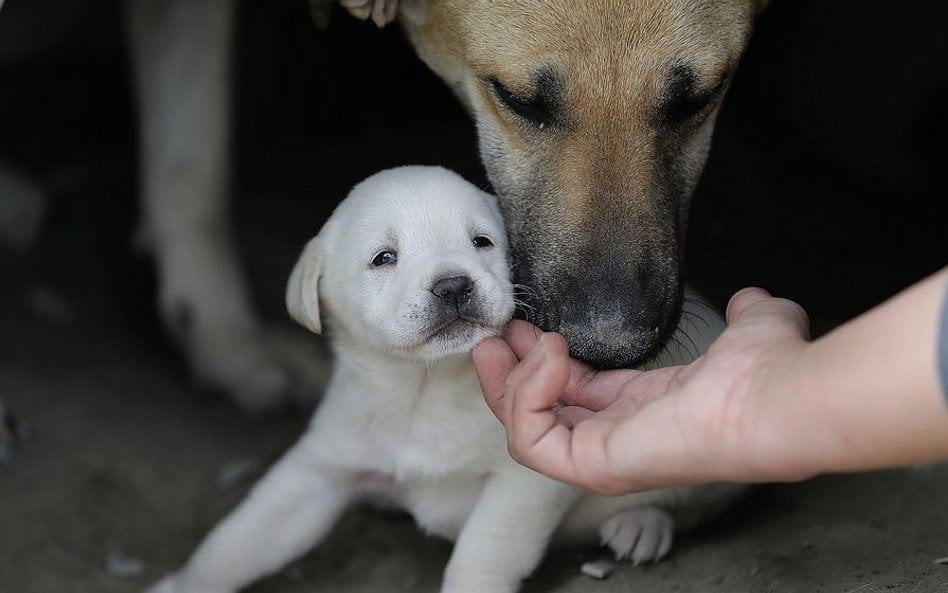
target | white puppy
[{"x": 408, "y": 274}]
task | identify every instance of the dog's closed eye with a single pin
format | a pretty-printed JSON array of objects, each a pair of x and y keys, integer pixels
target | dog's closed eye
[
  {"x": 682, "y": 102},
  {"x": 684, "y": 108},
  {"x": 542, "y": 105},
  {"x": 533, "y": 109}
]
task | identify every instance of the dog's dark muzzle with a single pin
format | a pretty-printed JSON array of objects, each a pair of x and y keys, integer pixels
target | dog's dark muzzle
[
  {"x": 614, "y": 340},
  {"x": 617, "y": 322}
]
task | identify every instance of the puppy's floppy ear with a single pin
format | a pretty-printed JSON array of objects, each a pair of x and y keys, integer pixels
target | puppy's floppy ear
[
  {"x": 302, "y": 289},
  {"x": 761, "y": 4}
]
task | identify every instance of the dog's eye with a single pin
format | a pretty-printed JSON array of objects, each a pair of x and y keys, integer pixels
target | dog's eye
[
  {"x": 684, "y": 108},
  {"x": 529, "y": 108},
  {"x": 683, "y": 103},
  {"x": 384, "y": 258},
  {"x": 481, "y": 241}
]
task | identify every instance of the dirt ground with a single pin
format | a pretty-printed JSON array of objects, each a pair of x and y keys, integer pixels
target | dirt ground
[{"x": 826, "y": 184}]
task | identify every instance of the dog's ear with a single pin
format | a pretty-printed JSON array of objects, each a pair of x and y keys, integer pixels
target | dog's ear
[
  {"x": 382, "y": 12},
  {"x": 761, "y": 5},
  {"x": 302, "y": 289}
]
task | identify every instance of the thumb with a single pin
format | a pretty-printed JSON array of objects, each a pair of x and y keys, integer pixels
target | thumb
[
  {"x": 756, "y": 306},
  {"x": 743, "y": 300}
]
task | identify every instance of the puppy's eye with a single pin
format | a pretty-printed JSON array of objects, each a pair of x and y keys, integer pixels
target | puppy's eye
[
  {"x": 481, "y": 241},
  {"x": 385, "y": 258},
  {"x": 532, "y": 109}
]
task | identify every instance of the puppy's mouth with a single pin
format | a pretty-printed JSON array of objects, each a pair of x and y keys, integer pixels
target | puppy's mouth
[
  {"x": 449, "y": 332},
  {"x": 452, "y": 318},
  {"x": 458, "y": 328}
]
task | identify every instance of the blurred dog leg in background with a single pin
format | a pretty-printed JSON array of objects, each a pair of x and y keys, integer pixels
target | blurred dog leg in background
[
  {"x": 180, "y": 62},
  {"x": 181, "y": 54},
  {"x": 22, "y": 206}
]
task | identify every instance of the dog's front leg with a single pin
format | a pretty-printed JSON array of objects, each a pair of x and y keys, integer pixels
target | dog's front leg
[
  {"x": 181, "y": 51},
  {"x": 289, "y": 511},
  {"x": 507, "y": 533}
]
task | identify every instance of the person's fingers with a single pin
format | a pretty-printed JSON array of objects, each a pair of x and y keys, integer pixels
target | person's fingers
[
  {"x": 782, "y": 317},
  {"x": 523, "y": 395},
  {"x": 537, "y": 390},
  {"x": 565, "y": 442},
  {"x": 536, "y": 436},
  {"x": 494, "y": 361},
  {"x": 743, "y": 300},
  {"x": 522, "y": 337},
  {"x": 587, "y": 387}
]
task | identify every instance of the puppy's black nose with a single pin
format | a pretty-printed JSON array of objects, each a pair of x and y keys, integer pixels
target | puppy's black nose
[{"x": 454, "y": 291}]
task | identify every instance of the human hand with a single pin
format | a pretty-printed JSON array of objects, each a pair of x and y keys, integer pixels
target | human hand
[{"x": 722, "y": 417}]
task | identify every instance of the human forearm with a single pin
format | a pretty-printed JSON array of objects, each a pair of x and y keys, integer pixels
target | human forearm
[{"x": 868, "y": 395}]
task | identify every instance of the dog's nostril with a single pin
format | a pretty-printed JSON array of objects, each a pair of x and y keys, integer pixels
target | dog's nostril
[{"x": 455, "y": 289}]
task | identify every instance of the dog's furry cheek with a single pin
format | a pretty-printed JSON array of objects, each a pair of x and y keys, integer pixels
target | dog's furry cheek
[
  {"x": 507, "y": 172},
  {"x": 696, "y": 150}
]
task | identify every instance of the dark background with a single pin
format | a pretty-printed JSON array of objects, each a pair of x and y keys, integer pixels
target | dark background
[{"x": 827, "y": 182}]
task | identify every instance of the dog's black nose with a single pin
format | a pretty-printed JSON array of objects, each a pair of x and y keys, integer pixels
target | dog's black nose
[{"x": 454, "y": 291}]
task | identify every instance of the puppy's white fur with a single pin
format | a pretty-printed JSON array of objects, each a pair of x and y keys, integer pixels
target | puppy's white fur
[{"x": 404, "y": 416}]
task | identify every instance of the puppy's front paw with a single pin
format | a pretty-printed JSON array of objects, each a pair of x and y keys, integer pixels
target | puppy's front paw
[
  {"x": 204, "y": 306},
  {"x": 642, "y": 535}
]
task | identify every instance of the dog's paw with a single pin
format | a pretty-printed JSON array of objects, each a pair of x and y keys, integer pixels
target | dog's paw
[
  {"x": 205, "y": 309},
  {"x": 12, "y": 434},
  {"x": 382, "y": 12},
  {"x": 260, "y": 370},
  {"x": 641, "y": 535}
]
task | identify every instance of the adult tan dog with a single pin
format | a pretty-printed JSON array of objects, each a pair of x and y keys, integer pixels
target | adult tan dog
[
  {"x": 408, "y": 274},
  {"x": 594, "y": 120}
]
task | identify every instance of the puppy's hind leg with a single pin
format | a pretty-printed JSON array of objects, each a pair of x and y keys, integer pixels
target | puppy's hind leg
[
  {"x": 181, "y": 52},
  {"x": 639, "y": 534},
  {"x": 291, "y": 509},
  {"x": 641, "y": 527}
]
